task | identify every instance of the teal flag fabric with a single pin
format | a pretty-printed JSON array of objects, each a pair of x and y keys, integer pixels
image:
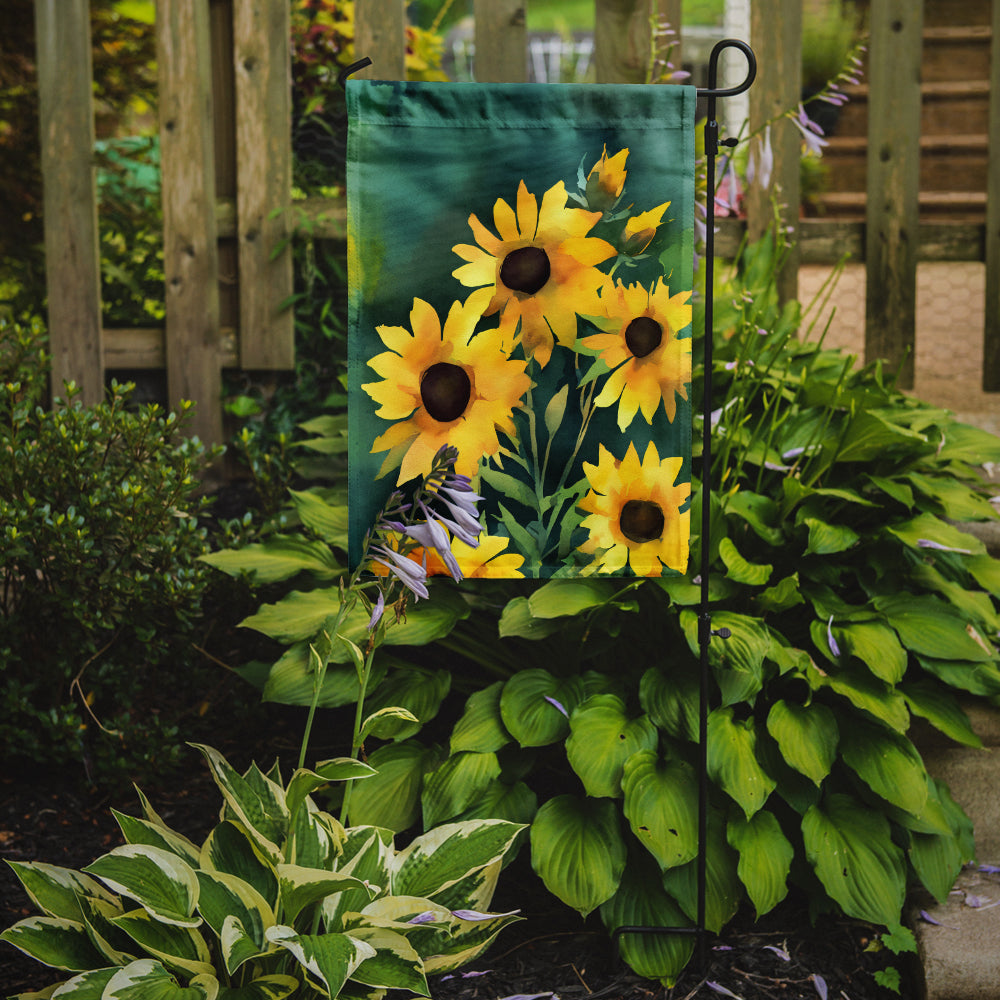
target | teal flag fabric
[{"x": 520, "y": 271}]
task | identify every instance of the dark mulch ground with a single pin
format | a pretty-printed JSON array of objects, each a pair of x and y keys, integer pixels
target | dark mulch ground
[{"x": 61, "y": 822}]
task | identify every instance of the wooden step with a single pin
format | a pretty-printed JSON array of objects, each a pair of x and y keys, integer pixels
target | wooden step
[
  {"x": 947, "y": 162},
  {"x": 956, "y": 53},
  {"x": 945, "y": 106},
  {"x": 956, "y": 206}
]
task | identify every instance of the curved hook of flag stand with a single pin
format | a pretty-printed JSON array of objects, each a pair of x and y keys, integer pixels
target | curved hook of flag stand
[{"x": 705, "y": 631}]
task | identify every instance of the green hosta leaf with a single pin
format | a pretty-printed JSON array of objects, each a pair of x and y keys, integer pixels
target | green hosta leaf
[
  {"x": 941, "y": 709},
  {"x": 738, "y": 569},
  {"x": 760, "y": 512},
  {"x": 888, "y": 763},
  {"x": 56, "y": 891},
  {"x": 260, "y": 809},
  {"x": 301, "y": 887},
  {"x": 975, "y": 605},
  {"x": 671, "y": 699},
  {"x": 54, "y": 941},
  {"x": 230, "y": 849},
  {"x": 986, "y": 572},
  {"x": 732, "y": 760},
  {"x": 292, "y": 680},
  {"x": 559, "y": 598},
  {"x": 578, "y": 851},
  {"x": 395, "y": 964},
  {"x": 937, "y": 858},
  {"x": 528, "y": 711},
  {"x": 723, "y": 889},
  {"x": 180, "y": 948},
  {"x": 165, "y": 886},
  {"x": 456, "y": 784},
  {"x": 601, "y": 739},
  {"x": 957, "y": 501},
  {"x": 931, "y": 628},
  {"x": 641, "y": 901},
  {"x": 870, "y": 435},
  {"x": 226, "y": 898},
  {"x": 274, "y": 987},
  {"x": 327, "y": 520},
  {"x": 867, "y": 693},
  {"x": 738, "y": 661},
  {"x": 807, "y": 736},
  {"x": 438, "y": 859},
  {"x": 661, "y": 798},
  {"x": 783, "y": 595},
  {"x": 417, "y": 690},
  {"x": 516, "y": 619},
  {"x": 893, "y": 488},
  {"x": 827, "y": 539},
  {"x": 304, "y": 782},
  {"x": 391, "y": 798},
  {"x": 976, "y": 678},
  {"x": 147, "y": 979},
  {"x": 481, "y": 728},
  {"x": 876, "y": 646},
  {"x": 279, "y": 558},
  {"x": 330, "y": 959},
  {"x": 928, "y": 528},
  {"x": 850, "y": 847},
  {"x": 965, "y": 443},
  {"x": 765, "y": 858},
  {"x": 141, "y": 831},
  {"x": 516, "y": 803},
  {"x": 387, "y": 723}
]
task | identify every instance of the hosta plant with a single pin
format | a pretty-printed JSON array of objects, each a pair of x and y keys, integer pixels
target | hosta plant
[{"x": 279, "y": 900}]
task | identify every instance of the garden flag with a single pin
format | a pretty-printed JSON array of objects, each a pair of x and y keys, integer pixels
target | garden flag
[{"x": 520, "y": 272}]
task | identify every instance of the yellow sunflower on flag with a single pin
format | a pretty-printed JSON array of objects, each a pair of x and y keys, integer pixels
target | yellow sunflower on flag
[
  {"x": 606, "y": 180},
  {"x": 442, "y": 386},
  {"x": 540, "y": 270},
  {"x": 634, "y": 514},
  {"x": 639, "y": 343}
]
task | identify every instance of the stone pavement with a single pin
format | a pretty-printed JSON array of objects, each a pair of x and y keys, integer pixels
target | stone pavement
[{"x": 959, "y": 955}]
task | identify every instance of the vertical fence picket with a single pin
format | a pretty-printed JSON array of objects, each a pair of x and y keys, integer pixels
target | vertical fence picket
[
  {"x": 190, "y": 253},
  {"x": 261, "y": 59},
  {"x": 72, "y": 257},
  {"x": 893, "y": 183},
  {"x": 991, "y": 332},
  {"x": 776, "y": 35},
  {"x": 621, "y": 40},
  {"x": 380, "y": 34},
  {"x": 501, "y": 41}
]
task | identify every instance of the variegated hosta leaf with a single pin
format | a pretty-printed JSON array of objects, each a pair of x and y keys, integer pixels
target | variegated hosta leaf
[
  {"x": 475, "y": 891},
  {"x": 86, "y": 986},
  {"x": 304, "y": 782},
  {"x": 116, "y": 947},
  {"x": 456, "y": 784},
  {"x": 225, "y": 897},
  {"x": 888, "y": 763},
  {"x": 441, "y": 857},
  {"x": 602, "y": 737},
  {"x": 177, "y": 947},
  {"x": 158, "y": 880},
  {"x": 535, "y": 706},
  {"x": 273, "y": 987},
  {"x": 765, "y": 858},
  {"x": 468, "y": 939},
  {"x": 367, "y": 854},
  {"x": 807, "y": 736},
  {"x": 147, "y": 979},
  {"x": 723, "y": 889},
  {"x": 301, "y": 887},
  {"x": 395, "y": 964},
  {"x": 732, "y": 760},
  {"x": 850, "y": 847},
  {"x": 642, "y": 902},
  {"x": 391, "y": 799},
  {"x": 315, "y": 838},
  {"x": 56, "y": 891},
  {"x": 230, "y": 849},
  {"x": 141, "y": 831},
  {"x": 329, "y": 959},
  {"x": 256, "y": 801},
  {"x": 54, "y": 941},
  {"x": 578, "y": 851},
  {"x": 481, "y": 727},
  {"x": 661, "y": 799}
]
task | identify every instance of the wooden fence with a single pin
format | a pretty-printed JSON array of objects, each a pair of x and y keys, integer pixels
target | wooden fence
[{"x": 226, "y": 162}]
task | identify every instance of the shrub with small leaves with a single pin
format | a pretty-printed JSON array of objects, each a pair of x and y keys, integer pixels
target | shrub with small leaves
[{"x": 99, "y": 574}]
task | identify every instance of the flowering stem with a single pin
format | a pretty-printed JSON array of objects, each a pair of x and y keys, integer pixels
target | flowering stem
[{"x": 357, "y": 739}]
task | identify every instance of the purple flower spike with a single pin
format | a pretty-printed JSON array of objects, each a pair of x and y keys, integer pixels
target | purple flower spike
[
  {"x": 377, "y": 612},
  {"x": 431, "y": 535},
  {"x": 412, "y": 575}
]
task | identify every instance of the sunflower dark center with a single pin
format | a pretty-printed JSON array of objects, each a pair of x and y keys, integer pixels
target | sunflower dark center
[
  {"x": 525, "y": 269},
  {"x": 445, "y": 391},
  {"x": 641, "y": 521},
  {"x": 643, "y": 336}
]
